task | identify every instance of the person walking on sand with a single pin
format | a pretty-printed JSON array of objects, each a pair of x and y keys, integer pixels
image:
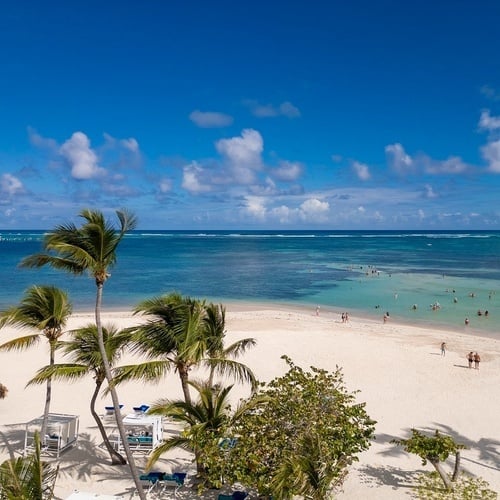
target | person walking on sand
[
  {"x": 443, "y": 348},
  {"x": 470, "y": 358},
  {"x": 317, "y": 310},
  {"x": 477, "y": 360}
]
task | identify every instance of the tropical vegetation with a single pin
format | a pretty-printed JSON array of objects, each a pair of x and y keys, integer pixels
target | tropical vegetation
[
  {"x": 46, "y": 310},
  {"x": 434, "y": 449},
  {"x": 82, "y": 349},
  {"x": 91, "y": 248},
  {"x": 181, "y": 333},
  {"x": 296, "y": 435},
  {"x": 28, "y": 478}
]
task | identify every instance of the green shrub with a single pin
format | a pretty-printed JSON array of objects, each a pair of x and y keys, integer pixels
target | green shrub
[{"x": 430, "y": 487}]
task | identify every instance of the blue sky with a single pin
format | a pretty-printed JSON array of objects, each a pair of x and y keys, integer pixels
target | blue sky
[{"x": 251, "y": 115}]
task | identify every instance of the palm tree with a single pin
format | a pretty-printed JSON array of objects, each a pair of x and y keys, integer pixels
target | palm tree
[
  {"x": 219, "y": 356},
  {"x": 205, "y": 419},
  {"x": 182, "y": 333},
  {"x": 3, "y": 391},
  {"x": 28, "y": 478},
  {"x": 91, "y": 247},
  {"x": 306, "y": 472},
  {"x": 43, "y": 308},
  {"x": 83, "y": 351}
]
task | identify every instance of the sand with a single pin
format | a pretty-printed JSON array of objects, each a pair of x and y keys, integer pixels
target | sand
[{"x": 398, "y": 369}]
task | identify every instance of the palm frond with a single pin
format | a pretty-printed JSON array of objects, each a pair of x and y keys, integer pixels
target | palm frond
[
  {"x": 66, "y": 371},
  {"x": 146, "y": 372},
  {"x": 21, "y": 343},
  {"x": 171, "y": 443}
]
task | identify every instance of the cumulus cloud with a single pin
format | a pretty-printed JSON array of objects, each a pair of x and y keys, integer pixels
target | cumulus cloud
[
  {"x": 429, "y": 192},
  {"x": 269, "y": 110},
  {"x": 210, "y": 119},
  {"x": 242, "y": 155},
  {"x": 255, "y": 207},
  {"x": 362, "y": 170},
  {"x": 398, "y": 160},
  {"x": 315, "y": 210},
  {"x": 80, "y": 156},
  {"x": 452, "y": 165},
  {"x": 10, "y": 185},
  {"x": 311, "y": 210},
  {"x": 491, "y": 153},
  {"x": 130, "y": 144},
  {"x": 192, "y": 179},
  {"x": 404, "y": 164},
  {"x": 287, "y": 171},
  {"x": 488, "y": 122}
]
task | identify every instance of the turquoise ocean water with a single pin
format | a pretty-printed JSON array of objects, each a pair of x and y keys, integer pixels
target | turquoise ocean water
[{"x": 363, "y": 272}]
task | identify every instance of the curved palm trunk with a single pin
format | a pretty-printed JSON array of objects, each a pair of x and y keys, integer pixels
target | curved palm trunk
[
  {"x": 184, "y": 375},
  {"x": 48, "y": 395},
  {"x": 114, "y": 395},
  {"x": 116, "y": 457}
]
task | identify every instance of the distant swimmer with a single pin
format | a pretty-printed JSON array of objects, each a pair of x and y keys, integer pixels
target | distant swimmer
[
  {"x": 414, "y": 307},
  {"x": 466, "y": 321}
]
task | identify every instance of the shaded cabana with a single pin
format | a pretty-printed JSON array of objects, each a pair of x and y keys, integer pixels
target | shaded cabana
[
  {"x": 144, "y": 432},
  {"x": 61, "y": 433}
]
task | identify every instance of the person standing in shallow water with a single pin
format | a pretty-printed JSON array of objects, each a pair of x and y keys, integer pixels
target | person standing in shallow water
[{"x": 470, "y": 358}]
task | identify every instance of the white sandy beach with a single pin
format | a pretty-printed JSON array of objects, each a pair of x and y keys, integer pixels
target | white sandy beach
[{"x": 397, "y": 368}]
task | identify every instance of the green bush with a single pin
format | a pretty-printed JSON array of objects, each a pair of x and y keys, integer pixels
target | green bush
[{"x": 430, "y": 487}]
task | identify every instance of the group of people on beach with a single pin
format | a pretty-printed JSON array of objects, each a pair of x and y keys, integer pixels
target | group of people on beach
[{"x": 473, "y": 357}]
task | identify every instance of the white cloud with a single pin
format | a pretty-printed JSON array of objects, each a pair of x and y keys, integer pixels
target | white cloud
[
  {"x": 491, "y": 153},
  {"x": 242, "y": 155},
  {"x": 210, "y": 119},
  {"x": 287, "y": 171},
  {"x": 80, "y": 157},
  {"x": 488, "y": 122},
  {"x": 452, "y": 165},
  {"x": 289, "y": 110},
  {"x": 192, "y": 179},
  {"x": 397, "y": 158},
  {"x": 311, "y": 210},
  {"x": 269, "y": 110},
  {"x": 429, "y": 192},
  {"x": 362, "y": 170},
  {"x": 41, "y": 142},
  {"x": 10, "y": 185},
  {"x": 165, "y": 185},
  {"x": 131, "y": 144},
  {"x": 315, "y": 210},
  {"x": 255, "y": 207}
]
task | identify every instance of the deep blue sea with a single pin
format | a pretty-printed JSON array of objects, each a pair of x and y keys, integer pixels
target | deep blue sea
[{"x": 363, "y": 272}]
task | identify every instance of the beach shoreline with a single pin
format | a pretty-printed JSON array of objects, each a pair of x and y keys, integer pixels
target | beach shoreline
[{"x": 398, "y": 369}]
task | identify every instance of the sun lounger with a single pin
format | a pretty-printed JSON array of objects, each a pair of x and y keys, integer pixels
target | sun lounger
[
  {"x": 141, "y": 408},
  {"x": 162, "y": 480},
  {"x": 110, "y": 410},
  {"x": 151, "y": 480},
  {"x": 174, "y": 480},
  {"x": 236, "y": 495}
]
